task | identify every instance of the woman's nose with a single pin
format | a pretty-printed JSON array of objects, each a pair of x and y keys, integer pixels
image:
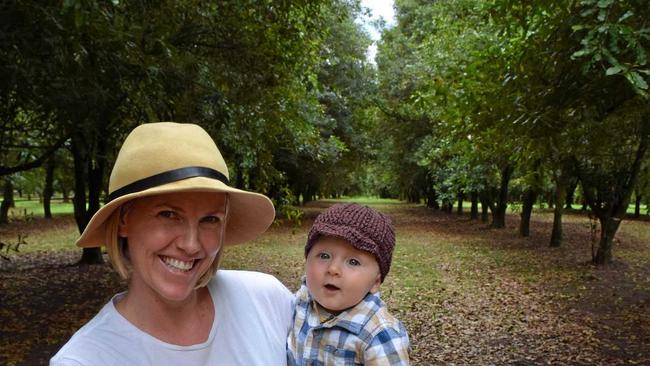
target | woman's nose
[{"x": 189, "y": 241}]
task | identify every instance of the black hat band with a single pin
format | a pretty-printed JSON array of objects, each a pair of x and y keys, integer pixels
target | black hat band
[{"x": 168, "y": 177}]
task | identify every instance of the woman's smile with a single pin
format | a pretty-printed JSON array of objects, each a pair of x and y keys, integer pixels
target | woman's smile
[{"x": 178, "y": 265}]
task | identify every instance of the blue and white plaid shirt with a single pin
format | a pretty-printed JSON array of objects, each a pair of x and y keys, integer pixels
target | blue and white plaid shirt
[{"x": 366, "y": 334}]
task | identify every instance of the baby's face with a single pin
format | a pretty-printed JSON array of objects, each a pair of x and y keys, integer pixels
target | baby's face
[{"x": 339, "y": 275}]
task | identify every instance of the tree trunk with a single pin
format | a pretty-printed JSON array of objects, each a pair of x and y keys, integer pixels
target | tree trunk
[
  {"x": 608, "y": 227},
  {"x": 459, "y": 210},
  {"x": 431, "y": 194},
  {"x": 550, "y": 199},
  {"x": 95, "y": 180},
  {"x": 499, "y": 214},
  {"x": 7, "y": 200},
  {"x": 485, "y": 205},
  {"x": 447, "y": 206},
  {"x": 432, "y": 199},
  {"x": 498, "y": 219},
  {"x": 238, "y": 179},
  {"x": 81, "y": 213},
  {"x": 612, "y": 213},
  {"x": 307, "y": 195},
  {"x": 560, "y": 199},
  {"x": 79, "y": 199},
  {"x": 530, "y": 196},
  {"x": 95, "y": 177},
  {"x": 48, "y": 190},
  {"x": 637, "y": 205},
  {"x": 432, "y": 203},
  {"x": 570, "y": 194},
  {"x": 474, "y": 211},
  {"x": 413, "y": 196},
  {"x": 556, "y": 234}
]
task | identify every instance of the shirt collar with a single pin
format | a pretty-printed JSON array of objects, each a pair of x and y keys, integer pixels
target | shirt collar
[{"x": 352, "y": 319}]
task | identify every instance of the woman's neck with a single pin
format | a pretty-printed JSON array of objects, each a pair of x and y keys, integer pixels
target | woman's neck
[{"x": 182, "y": 323}]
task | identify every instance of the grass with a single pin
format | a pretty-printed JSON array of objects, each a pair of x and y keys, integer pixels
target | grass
[
  {"x": 26, "y": 208},
  {"x": 365, "y": 200},
  {"x": 35, "y": 208},
  {"x": 62, "y": 235}
]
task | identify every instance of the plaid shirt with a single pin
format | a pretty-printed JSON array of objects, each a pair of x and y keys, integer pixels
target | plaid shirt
[{"x": 366, "y": 334}]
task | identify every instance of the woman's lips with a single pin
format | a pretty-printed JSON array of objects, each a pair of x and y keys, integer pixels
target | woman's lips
[{"x": 176, "y": 264}]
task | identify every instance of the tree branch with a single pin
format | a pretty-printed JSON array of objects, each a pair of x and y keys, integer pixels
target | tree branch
[{"x": 6, "y": 170}]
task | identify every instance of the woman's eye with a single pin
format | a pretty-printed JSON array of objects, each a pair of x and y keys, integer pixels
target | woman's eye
[
  {"x": 167, "y": 214},
  {"x": 354, "y": 262},
  {"x": 211, "y": 220}
]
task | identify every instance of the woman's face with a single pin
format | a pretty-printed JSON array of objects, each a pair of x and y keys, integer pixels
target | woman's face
[{"x": 173, "y": 239}]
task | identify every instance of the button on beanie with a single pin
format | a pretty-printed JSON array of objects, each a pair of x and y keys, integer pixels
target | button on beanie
[{"x": 363, "y": 227}]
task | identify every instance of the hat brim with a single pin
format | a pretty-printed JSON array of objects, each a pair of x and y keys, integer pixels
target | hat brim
[{"x": 249, "y": 213}]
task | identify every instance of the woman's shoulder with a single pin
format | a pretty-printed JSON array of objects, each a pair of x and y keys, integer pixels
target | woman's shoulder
[
  {"x": 95, "y": 340},
  {"x": 249, "y": 280},
  {"x": 242, "y": 275},
  {"x": 252, "y": 293}
]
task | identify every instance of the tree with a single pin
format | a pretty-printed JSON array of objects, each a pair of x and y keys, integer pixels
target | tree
[
  {"x": 7, "y": 199},
  {"x": 248, "y": 72},
  {"x": 534, "y": 84},
  {"x": 48, "y": 188},
  {"x": 571, "y": 91},
  {"x": 615, "y": 39},
  {"x": 331, "y": 159},
  {"x": 609, "y": 170}
]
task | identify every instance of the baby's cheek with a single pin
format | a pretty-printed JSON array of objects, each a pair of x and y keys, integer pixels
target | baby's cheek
[{"x": 312, "y": 275}]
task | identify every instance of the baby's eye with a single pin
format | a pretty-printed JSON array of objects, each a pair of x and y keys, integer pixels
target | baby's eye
[
  {"x": 168, "y": 214},
  {"x": 323, "y": 256},
  {"x": 354, "y": 262},
  {"x": 211, "y": 220}
]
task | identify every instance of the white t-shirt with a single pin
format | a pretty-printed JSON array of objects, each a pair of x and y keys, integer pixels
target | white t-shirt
[{"x": 253, "y": 314}]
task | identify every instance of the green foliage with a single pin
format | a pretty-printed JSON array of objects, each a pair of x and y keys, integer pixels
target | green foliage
[
  {"x": 464, "y": 96},
  {"x": 616, "y": 38},
  {"x": 473, "y": 93},
  {"x": 286, "y": 211},
  {"x": 281, "y": 86}
]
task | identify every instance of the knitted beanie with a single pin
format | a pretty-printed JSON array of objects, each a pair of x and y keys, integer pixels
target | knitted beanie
[{"x": 361, "y": 226}]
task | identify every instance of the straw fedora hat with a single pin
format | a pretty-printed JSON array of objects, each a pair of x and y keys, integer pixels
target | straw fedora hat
[{"x": 168, "y": 157}]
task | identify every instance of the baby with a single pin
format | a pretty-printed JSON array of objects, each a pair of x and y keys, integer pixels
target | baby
[{"x": 339, "y": 317}]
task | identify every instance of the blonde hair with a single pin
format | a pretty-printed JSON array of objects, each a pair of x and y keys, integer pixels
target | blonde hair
[{"x": 116, "y": 246}]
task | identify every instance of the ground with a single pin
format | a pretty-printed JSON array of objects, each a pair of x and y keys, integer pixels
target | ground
[{"x": 468, "y": 294}]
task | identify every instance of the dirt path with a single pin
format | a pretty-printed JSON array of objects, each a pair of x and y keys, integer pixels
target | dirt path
[{"x": 502, "y": 299}]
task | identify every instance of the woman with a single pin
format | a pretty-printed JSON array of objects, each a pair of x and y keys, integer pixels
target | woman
[{"x": 170, "y": 212}]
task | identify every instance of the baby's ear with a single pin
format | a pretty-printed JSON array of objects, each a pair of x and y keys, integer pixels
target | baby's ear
[{"x": 375, "y": 286}]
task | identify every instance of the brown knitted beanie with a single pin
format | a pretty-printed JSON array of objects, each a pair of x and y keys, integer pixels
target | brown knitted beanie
[{"x": 363, "y": 227}]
